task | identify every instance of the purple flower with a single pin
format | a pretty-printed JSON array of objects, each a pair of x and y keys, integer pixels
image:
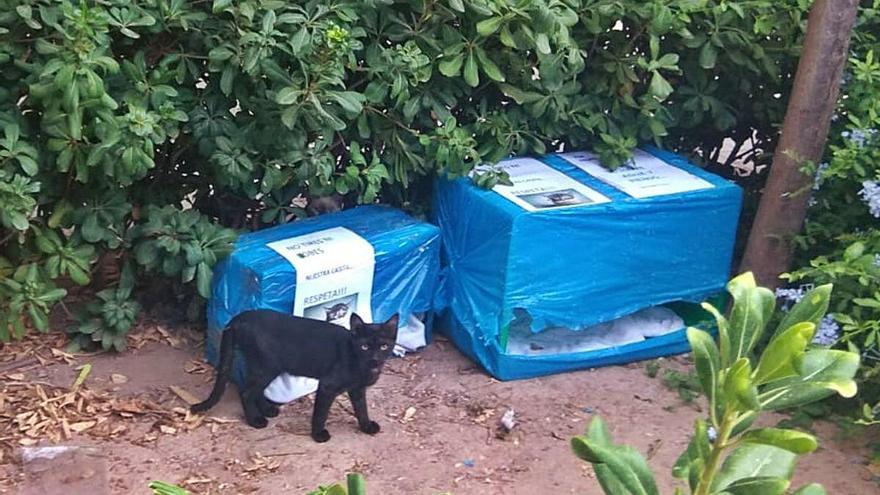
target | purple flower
[
  {"x": 859, "y": 136},
  {"x": 828, "y": 332},
  {"x": 791, "y": 296},
  {"x": 870, "y": 194},
  {"x": 820, "y": 175}
]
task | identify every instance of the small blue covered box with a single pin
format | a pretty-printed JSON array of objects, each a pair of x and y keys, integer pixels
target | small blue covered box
[
  {"x": 573, "y": 246},
  {"x": 396, "y": 256}
]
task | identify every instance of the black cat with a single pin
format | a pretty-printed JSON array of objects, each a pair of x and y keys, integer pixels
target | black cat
[{"x": 273, "y": 343}]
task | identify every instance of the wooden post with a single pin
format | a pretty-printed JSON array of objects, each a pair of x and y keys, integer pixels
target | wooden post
[{"x": 814, "y": 96}]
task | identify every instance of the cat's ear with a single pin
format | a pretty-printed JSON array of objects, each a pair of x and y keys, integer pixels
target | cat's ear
[
  {"x": 393, "y": 322},
  {"x": 389, "y": 328},
  {"x": 356, "y": 322}
]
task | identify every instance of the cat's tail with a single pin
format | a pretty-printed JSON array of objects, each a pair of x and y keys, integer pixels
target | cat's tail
[{"x": 227, "y": 352}]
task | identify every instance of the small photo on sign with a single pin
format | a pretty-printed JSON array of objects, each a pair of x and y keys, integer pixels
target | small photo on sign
[
  {"x": 337, "y": 311},
  {"x": 555, "y": 199}
]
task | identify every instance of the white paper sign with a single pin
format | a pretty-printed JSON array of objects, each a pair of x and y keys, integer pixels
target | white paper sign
[
  {"x": 643, "y": 177},
  {"x": 538, "y": 187},
  {"x": 334, "y": 278}
]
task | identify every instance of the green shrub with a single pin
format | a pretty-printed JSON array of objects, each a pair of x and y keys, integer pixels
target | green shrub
[
  {"x": 725, "y": 454},
  {"x": 131, "y": 126}
]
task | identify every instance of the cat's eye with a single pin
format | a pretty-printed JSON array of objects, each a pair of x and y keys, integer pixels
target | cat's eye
[
  {"x": 365, "y": 347},
  {"x": 384, "y": 347}
]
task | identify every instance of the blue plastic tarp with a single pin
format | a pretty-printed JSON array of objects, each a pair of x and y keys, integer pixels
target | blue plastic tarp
[
  {"x": 579, "y": 266},
  {"x": 255, "y": 276}
]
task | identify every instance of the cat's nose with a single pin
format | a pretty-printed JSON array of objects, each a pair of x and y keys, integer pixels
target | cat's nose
[{"x": 373, "y": 363}]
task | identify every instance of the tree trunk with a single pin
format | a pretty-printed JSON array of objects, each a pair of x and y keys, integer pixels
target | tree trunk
[{"x": 784, "y": 200}]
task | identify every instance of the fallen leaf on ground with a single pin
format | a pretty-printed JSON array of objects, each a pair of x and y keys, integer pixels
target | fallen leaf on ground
[
  {"x": 118, "y": 378},
  {"x": 408, "y": 415},
  {"x": 82, "y": 426},
  {"x": 184, "y": 395}
]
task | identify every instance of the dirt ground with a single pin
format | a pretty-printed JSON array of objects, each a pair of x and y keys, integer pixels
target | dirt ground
[{"x": 439, "y": 416}]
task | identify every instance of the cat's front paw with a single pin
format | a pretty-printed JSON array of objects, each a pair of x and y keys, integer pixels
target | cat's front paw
[
  {"x": 370, "y": 428},
  {"x": 258, "y": 422},
  {"x": 321, "y": 436},
  {"x": 269, "y": 409}
]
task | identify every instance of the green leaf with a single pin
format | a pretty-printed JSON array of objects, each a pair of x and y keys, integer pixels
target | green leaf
[
  {"x": 754, "y": 461},
  {"x": 696, "y": 454},
  {"x": 542, "y": 43},
  {"x": 761, "y": 485},
  {"x": 747, "y": 318},
  {"x": 660, "y": 87},
  {"x": 53, "y": 295},
  {"x": 24, "y": 11},
  {"x": 78, "y": 275},
  {"x": 356, "y": 484},
  {"x": 708, "y": 56},
  {"x": 822, "y": 372},
  {"x": 39, "y": 318},
  {"x": 220, "y": 54},
  {"x": 268, "y": 21},
  {"x": 519, "y": 95},
  {"x": 226, "y": 79},
  {"x": 791, "y": 440},
  {"x": 288, "y": 96},
  {"x": 777, "y": 360},
  {"x": 91, "y": 230},
  {"x": 28, "y": 165},
  {"x": 668, "y": 61},
  {"x": 488, "y": 26},
  {"x": 203, "y": 280},
  {"x": 738, "y": 385},
  {"x": 489, "y": 66},
  {"x": 619, "y": 469},
  {"x": 451, "y": 66},
  {"x": 470, "y": 71},
  {"x": 812, "y": 307},
  {"x": 220, "y": 5},
  {"x": 723, "y": 334},
  {"x": 706, "y": 361},
  {"x": 854, "y": 251},
  {"x": 350, "y": 101},
  {"x": 457, "y": 5},
  {"x": 811, "y": 489}
]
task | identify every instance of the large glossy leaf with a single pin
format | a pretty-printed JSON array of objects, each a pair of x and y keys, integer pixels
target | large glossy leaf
[
  {"x": 811, "y": 308},
  {"x": 707, "y": 362},
  {"x": 754, "y": 461},
  {"x": 821, "y": 373},
  {"x": 738, "y": 387},
  {"x": 811, "y": 489},
  {"x": 696, "y": 454},
  {"x": 762, "y": 485},
  {"x": 747, "y": 315},
  {"x": 743, "y": 422},
  {"x": 723, "y": 334},
  {"x": 488, "y": 26},
  {"x": 777, "y": 360},
  {"x": 791, "y": 440},
  {"x": 471, "y": 76},
  {"x": 356, "y": 484},
  {"x": 620, "y": 469}
]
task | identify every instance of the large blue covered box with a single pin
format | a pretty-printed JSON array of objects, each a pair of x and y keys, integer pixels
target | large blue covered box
[
  {"x": 255, "y": 276},
  {"x": 572, "y": 246}
]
